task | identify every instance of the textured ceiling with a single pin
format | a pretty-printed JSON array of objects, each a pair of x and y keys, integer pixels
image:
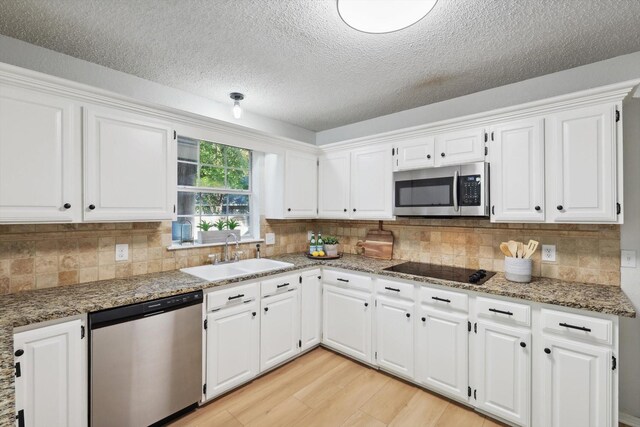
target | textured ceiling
[{"x": 296, "y": 61}]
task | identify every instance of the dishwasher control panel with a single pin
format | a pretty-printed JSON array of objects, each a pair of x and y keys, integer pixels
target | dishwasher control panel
[{"x": 164, "y": 303}]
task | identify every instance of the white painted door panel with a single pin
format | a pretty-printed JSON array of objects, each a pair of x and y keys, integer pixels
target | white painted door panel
[
  {"x": 464, "y": 146},
  {"x": 39, "y": 157},
  {"x": 415, "y": 153},
  {"x": 52, "y": 386},
  {"x": 233, "y": 347},
  {"x": 279, "y": 329},
  {"x": 311, "y": 309},
  {"x": 334, "y": 185},
  {"x": 503, "y": 372},
  {"x": 301, "y": 185},
  {"x": 371, "y": 183},
  {"x": 583, "y": 157},
  {"x": 577, "y": 380},
  {"x": 442, "y": 351},
  {"x": 347, "y": 318},
  {"x": 517, "y": 171},
  {"x": 129, "y": 167},
  {"x": 394, "y": 335}
]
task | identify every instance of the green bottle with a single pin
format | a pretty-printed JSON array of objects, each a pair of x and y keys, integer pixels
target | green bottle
[
  {"x": 312, "y": 244},
  {"x": 319, "y": 243}
]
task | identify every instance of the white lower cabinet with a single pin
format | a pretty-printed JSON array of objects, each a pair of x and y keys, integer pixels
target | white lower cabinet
[
  {"x": 394, "y": 335},
  {"x": 310, "y": 309},
  {"x": 442, "y": 351},
  {"x": 280, "y": 328},
  {"x": 347, "y": 317},
  {"x": 503, "y": 371},
  {"x": 51, "y": 376},
  {"x": 233, "y": 347}
]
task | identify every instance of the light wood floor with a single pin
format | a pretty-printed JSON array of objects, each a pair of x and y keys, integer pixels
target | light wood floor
[{"x": 324, "y": 389}]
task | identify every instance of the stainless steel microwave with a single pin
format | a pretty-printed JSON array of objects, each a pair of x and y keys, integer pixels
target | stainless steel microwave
[{"x": 448, "y": 191}]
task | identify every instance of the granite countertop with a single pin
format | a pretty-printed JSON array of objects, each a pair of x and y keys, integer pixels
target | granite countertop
[{"x": 25, "y": 308}]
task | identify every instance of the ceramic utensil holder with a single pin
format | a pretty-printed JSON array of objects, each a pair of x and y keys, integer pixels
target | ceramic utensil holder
[{"x": 517, "y": 269}]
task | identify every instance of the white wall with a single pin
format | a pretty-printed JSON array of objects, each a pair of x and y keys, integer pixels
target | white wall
[
  {"x": 630, "y": 239},
  {"x": 32, "y": 57},
  {"x": 619, "y": 69}
]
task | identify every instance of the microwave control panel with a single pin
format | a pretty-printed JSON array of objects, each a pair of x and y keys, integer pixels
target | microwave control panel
[{"x": 470, "y": 190}]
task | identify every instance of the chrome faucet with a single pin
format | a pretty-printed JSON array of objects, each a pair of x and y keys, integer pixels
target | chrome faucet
[{"x": 226, "y": 247}]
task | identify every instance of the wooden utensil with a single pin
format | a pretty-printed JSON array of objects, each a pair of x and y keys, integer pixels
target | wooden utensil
[
  {"x": 513, "y": 248},
  {"x": 520, "y": 253},
  {"x": 504, "y": 247},
  {"x": 531, "y": 248},
  {"x": 378, "y": 243}
]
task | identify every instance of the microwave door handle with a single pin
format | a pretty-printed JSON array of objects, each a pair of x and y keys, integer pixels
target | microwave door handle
[{"x": 456, "y": 207}]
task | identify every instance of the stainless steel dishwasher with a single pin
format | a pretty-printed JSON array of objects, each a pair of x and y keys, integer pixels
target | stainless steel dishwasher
[{"x": 146, "y": 361}]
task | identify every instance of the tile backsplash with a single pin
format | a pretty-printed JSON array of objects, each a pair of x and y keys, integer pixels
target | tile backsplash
[{"x": 48, "y": 255}]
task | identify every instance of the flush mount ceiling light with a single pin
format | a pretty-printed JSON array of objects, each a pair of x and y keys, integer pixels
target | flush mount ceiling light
[
  {"x": 383, "y": 16},
  {"x": 237, "y": 110}
]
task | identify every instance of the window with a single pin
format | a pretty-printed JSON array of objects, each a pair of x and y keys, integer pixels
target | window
[{"x": 214, "y": 183}]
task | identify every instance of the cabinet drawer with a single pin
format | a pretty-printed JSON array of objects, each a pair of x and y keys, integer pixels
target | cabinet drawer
[
  {"x": 279, "y": 284},
  {"x": 503, "y": 311},
  {"x": 576, "y": 326},
  {"x": 350, "y": 280},
  {"x": 444, "y": 299},
  {"x": 225, "y": 297},
  {"x": 395, "y": 289}
]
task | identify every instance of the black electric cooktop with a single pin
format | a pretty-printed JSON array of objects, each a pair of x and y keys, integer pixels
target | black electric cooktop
[{"x": 444, "y": 272}]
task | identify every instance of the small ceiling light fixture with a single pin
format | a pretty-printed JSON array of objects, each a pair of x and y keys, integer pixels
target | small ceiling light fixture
[
  {"x": 383, "y": 16},
  {"x": 237, "y": 110}
]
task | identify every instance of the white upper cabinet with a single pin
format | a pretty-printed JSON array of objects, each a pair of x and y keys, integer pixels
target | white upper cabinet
[
  {"x": 415, "y": 153},
  {"x": 129, "y": 167},
  {"x": 334, "y": 187},
  {"x": 517, "y": 171},
  {"x": 51, "y": 389},
  {"x": 371, "y": 183},
  {"x": 581, "y": 159},
  {"x": 577, "y": 384},
  {"x": 291, "y": 189},
  {"x": 39, "y": 157},
  {"x": 463, "y": 146}
]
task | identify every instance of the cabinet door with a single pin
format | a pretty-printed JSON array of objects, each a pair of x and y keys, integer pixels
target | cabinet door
[
  {"x": 334, "y": 175},
  {"x": 415, "y": 153},
  {"x": 233, "y": 347},
  {"x": 458, "y": 147},
  {"x": 39, "y": 157},
  {"x": 301, "y": 185},
  {"x": 582, "y": 152},
  {"x": 517, "y": 171},
  {"x": 130, "y": 167},
  {"x": 442, "y": 351},
  {"x": 503, "y": 372},
  {"x": 578, "y": 388},
  {"x": 371, "y": 183},
  {"x": 394, "y": 335},
  {"x": 51, "y": 388},
  {"x": 310, "y": 309},
  {"x": 347, "y": 317},
  {"x": 280, "y": 329}
]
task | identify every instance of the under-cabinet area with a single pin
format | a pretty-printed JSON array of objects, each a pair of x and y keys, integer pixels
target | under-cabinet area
[{"x": 512, "y": 360}]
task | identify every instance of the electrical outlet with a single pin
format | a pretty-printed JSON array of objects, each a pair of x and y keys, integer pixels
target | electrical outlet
[
  {"x": 628, "y": 258},
  {"x": 122, "y": 252},
  {"x": 549, "y": 253},
  {"x": 270, "y": 238}
]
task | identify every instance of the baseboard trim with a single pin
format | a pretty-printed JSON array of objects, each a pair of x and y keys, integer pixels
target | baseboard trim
[{"x": 629, "y": 420}]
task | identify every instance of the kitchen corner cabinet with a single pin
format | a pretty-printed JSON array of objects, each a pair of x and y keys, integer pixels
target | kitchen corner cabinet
[
  {"x": 334, "y": 192},
  {"x": 583, "y": 161},
  {"x": 39, "y": 157},
  {"x": 517, "y": 166},
  {"x": 310, "y": 309},
  {"x": 129, "y": 167},
  {"x": 291, "y": 189},
  {"x": 371, "y": 183},
  {"x": 280, "y": 328},
  {"x": 51, "y": 376}
]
